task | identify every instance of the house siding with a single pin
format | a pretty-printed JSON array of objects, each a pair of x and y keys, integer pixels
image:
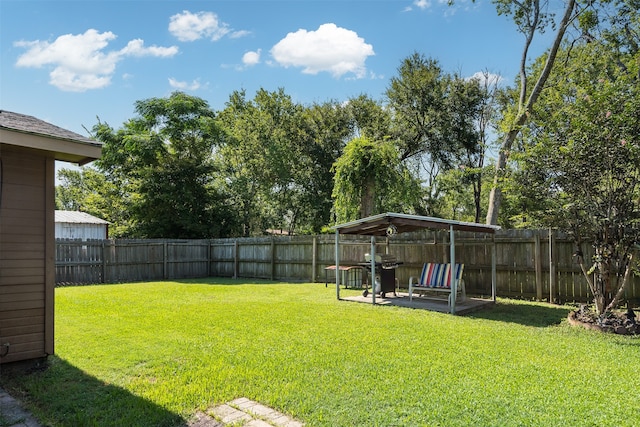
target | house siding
[{"x": 26, "y": 257}]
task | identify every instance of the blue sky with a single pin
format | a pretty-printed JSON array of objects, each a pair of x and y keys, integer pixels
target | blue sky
[{"x": 69, "y": 62}]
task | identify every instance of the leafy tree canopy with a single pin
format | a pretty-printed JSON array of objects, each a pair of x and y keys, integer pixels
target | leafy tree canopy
[
  {"x": 581, "y": 172},
  {"x": 370, "y": 179},
  {"x": 163, "y": 158}
]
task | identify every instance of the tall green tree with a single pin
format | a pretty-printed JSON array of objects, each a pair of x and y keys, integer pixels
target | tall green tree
[
  {"x": 620, "y": 29},
  {"x": 436, "y": 123},
  {"x": 581, "y": 170},
  {"x": 417, "y": 97},
  {"x": 370, "y": 179},
  {"x": 325, "y": 129},
  {"x": 88, "y": 190},
  {"x": 277, "y": 157},
  {"x": 163, "y": 157},
  {"x": 73, "y": 190},
  {"x": 259, "y": 159},
  {"x": 486, "y": 124},
  {"x": 532, "y": 18},
  {"x": 368, "y": 118},
  {"x": 472, "y": 103}
]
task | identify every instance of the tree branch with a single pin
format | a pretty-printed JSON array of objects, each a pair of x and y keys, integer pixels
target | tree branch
[
  {"x": 553, "y": 52},
  {"x": 586, "y": 275},
  {"x": 623, "y": 286}
]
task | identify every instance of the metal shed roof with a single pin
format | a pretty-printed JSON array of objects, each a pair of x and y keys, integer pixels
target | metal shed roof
[
  {"x": 77, "y": 218},
  {"x": 377, "y": 225}
]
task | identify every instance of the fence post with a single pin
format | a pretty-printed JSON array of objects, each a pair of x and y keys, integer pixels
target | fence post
[
  {"x": 314, "y": 259},
  {"x": 273, "y": 259},
  {"x": 165, "y": 254},
  {"x": 235, "y": 259},
  {"x": 104, "y": 263},
  {"x": 552, "y": 268},
  {"x": 538, "y": 266},
  {"x": 209, "y": 252},
  {"x": 494, "y": 274}
]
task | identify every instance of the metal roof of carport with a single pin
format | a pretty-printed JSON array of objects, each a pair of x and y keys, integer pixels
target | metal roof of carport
[{"x": 377, "y": 225}]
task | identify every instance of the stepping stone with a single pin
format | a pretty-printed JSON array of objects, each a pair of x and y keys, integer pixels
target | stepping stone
[
  {"x": 248, "y": 413},
  {"x": 14, "y": 414},
  {"x": 243, "y": 403},
  {"x": 200, "y": 419},
  {"x": 257, "y": 423},
  {"x": 228, "y": 414},
  {"x": 263, "y": 411}
]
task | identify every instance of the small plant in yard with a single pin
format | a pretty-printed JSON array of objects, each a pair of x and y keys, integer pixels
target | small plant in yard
[{"x": 154, "y": 354}]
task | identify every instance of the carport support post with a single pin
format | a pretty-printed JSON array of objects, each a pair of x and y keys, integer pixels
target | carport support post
[
  {"x": 373, "y": 270},
  {"x": 337, "y": 249},
  {"x": 454, "y": 283}
]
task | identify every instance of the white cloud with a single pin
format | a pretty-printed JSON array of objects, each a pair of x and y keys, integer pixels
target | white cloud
[
  {"x": 251, "y": 58},
  {"x": 238, "y": 34},
  {"x": 422, "y": 4},
  {"x": 136, "y": 48},
  {"x": 79, "y": 60},
  {"x": 82, "y": 52},
  {"x": 188, "y": 27},
  {"x": 194, "y": 85},
  {"x": 70, "y": 81},
  {"x": 486, "y": 78},
  {"x": 329, "y": 48}
]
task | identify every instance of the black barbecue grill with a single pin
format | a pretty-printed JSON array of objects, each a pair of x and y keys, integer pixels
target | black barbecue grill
[{"x": 385, "y": 266}]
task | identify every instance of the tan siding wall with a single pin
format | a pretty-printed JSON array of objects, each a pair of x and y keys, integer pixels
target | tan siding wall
[{"x": 23, "y": 267}]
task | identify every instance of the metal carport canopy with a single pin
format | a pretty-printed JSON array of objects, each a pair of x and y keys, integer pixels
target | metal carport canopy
[{"x": 377, "y": 225}]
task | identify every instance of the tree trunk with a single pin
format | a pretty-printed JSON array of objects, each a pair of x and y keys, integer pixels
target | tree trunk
[
  {"x": 621, "y": 290},
  {"x": 477, "y": 198},
  {"x": 368, "y": 199},
  {"x": 495, "y": 197},
  {"x": 600, "y": 297}
]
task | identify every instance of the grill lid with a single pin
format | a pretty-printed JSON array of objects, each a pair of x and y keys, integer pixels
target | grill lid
[{"x": 382, "y": 258}]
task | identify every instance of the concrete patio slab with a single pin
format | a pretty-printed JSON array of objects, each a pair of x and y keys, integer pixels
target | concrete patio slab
[{"x": 439, "y": 305}]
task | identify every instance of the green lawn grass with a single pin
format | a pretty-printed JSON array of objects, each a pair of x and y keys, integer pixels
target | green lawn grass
[{"x": 153, "y": 354}]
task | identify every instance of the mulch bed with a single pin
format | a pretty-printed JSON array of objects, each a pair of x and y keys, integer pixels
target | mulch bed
[{"x": 618, "y": 322}]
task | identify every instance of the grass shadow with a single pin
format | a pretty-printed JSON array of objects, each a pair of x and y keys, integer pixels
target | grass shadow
[
  {"x": 62, "y": 395},
  {"x": 525, "y": 313}
]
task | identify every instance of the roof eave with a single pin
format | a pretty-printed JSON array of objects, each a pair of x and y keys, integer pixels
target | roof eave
[{"x": 68, "y": 150}]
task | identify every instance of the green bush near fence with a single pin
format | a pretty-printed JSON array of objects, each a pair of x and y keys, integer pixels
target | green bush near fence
[{"x": 153, "y": 354}]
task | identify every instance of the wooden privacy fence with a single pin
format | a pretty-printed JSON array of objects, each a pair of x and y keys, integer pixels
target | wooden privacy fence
[
  {"x": 531, "y": 264},
  {"x": 115, "y": 261}
]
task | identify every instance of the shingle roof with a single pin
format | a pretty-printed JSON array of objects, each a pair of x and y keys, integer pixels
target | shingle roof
[
  {"x": 29, "y": 132},
  {"x": 30, "y": 124},
  {"x": 78, "y": 218}
]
